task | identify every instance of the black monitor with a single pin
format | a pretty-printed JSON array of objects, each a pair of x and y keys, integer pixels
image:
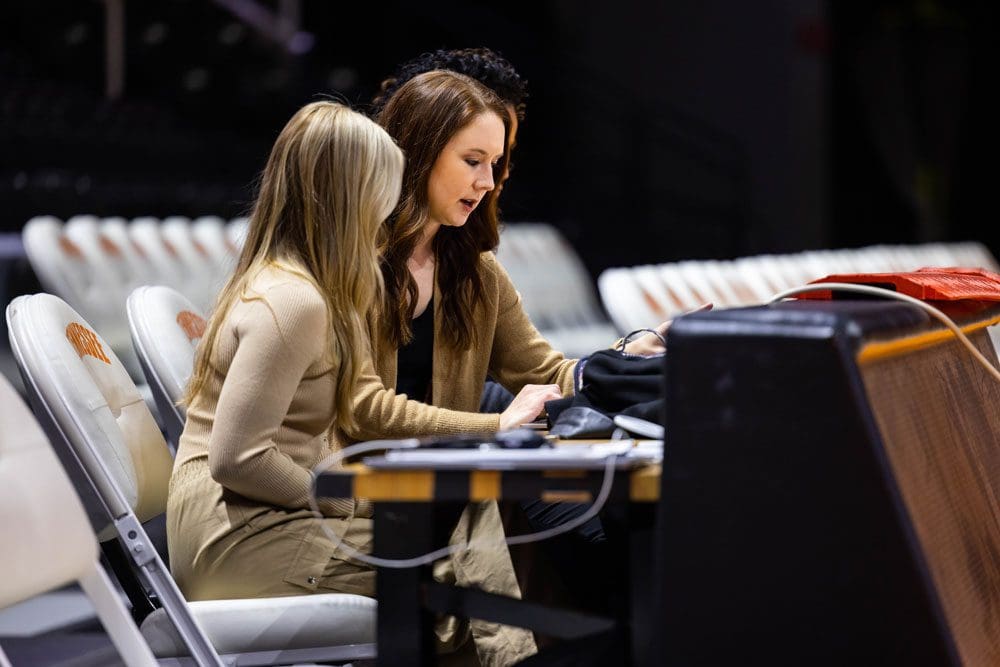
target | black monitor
[{"x": 830, "y": 490}]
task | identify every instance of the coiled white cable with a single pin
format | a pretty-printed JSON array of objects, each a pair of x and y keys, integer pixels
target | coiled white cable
[
  {"x": 905, "y": 298},
  {"x": 482, "y": 543}
]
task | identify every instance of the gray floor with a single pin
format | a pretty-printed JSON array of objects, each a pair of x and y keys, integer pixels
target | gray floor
[{"x": 58, "y": 629}]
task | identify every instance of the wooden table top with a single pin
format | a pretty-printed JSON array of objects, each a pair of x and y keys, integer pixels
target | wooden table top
[{"x": 357, "y": 480}]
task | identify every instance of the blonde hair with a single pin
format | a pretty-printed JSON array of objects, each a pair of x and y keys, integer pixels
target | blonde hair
[{"x": 332, "y": 178}]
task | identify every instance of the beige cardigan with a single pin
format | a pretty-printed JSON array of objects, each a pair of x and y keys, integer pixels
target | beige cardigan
[{"x": 509, "y": 348}]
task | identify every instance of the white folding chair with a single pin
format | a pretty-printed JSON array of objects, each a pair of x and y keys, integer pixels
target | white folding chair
[
  {"x": 760, "y": 277},
  {"x": 116, "y": 230},
  {"x": 678, "y": 294},
  {"x": 165, "y": 328},
  {"x": 210, "y": 232},
  {"x": 47, "y": 540},
  {"x": 90, "y": 409},
  {"x": 713, "y": 272},
  {"x": 735, "y": 284},
  {"x": 113, "y": 278},
  {"x": 972, "y": 254},
  {"x": 161, "y": 256},
  {"x": 200, "y": 280},
  {"x": 694, "y": 276},
  {"x": 58, "y": 262},
  {"x": 557, "y": 292},
  {"x": 531, "y": 273},
  {"x": 236, "y": 230},
  {"x": 566, "y": 277},
  {"x": 625, "y": 300}
]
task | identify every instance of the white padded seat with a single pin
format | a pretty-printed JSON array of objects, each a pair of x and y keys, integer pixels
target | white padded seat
[{"x": 268, "y": 624}]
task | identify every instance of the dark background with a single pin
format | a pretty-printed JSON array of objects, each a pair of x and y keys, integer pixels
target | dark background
[{"x": 654, "y": 131}]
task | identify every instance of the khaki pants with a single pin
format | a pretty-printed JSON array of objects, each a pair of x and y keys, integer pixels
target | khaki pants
[{"x": 225, "y": 546}]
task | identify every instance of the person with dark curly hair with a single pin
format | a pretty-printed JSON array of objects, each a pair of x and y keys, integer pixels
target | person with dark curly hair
[{"x": 481, "y": 64}]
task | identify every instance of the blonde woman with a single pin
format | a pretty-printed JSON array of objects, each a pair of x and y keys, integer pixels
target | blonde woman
[
  {"x": 275, "y": 373},
  {"x": 285, "y": 353}
]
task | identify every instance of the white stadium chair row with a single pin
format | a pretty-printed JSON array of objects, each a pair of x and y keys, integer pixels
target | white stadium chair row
[
  {"x": 95, "y": 263},
  {"x": 637, "y": 296},
  {"x": 556, "y": 290}
]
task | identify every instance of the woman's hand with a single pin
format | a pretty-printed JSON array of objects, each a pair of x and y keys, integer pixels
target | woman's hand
[
  {"x": 649, "y": 344},
  {"x": 528, "y": 404}
]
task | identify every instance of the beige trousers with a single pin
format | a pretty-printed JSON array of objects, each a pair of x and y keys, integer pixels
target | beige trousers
[{"x": 225, "y": 546}]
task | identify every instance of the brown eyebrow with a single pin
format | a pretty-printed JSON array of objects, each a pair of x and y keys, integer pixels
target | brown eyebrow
[{"x": 480, "y": 151}]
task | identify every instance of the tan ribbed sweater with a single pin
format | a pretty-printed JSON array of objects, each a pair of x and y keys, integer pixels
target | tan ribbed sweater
[{"x": 262, "y": 421}]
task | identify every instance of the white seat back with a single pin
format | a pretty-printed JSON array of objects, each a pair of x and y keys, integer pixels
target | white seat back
[
  {"x": 93, "y": 403},
  {"x": 210, "y": 232},
  {"x": 198, "y": 268},
  {"x": 166, "y": 328},
  {"x": 58, "y": 262},
  {"x": 625, "y": 300},
  {"x": 161, "y": 257},
  {"x": 556, "y": 290},
  {"x": 48, "y": 542},
  {"x": 236, "y": 230},
  {"x": 116, "y": 231},
  {"x": 113, "y": 280}
]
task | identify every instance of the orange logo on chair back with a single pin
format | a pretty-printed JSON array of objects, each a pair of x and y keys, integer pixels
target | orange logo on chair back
[
  {"x": 85, "y": 342},
  {"x": 110, "y": 247},
  {"x": 69, "y": 248},
  {"x": 653, "y": 304},
  {"x": 192, "y": 324}
]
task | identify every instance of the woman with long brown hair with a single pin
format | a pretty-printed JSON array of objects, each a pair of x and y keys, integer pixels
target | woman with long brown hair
[{"x": 449, "y": 313}]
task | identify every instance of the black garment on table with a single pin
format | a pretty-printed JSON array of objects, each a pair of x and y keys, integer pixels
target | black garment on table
[
  {"x": 415, "y": 360},
  {"x": 609, "y": 383}
]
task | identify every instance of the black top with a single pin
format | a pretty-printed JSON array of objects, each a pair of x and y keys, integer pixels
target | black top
[{"x": 416, "y": 360}]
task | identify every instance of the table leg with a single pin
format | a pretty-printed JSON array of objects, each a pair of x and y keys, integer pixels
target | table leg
[
  {"x": 642, "y": 573},
  {"x": 633, "y": 570},
  {"x": 405, "y": 632}
]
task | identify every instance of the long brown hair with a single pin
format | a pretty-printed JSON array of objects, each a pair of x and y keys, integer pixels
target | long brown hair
[
  {"x": 331, "y": 179},
  {"x": 422, "y": 116}
]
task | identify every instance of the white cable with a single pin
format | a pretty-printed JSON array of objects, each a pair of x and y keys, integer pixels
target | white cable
[
  {"x": 483, "y": 543},
  {"x": 878, "y": 291}
]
